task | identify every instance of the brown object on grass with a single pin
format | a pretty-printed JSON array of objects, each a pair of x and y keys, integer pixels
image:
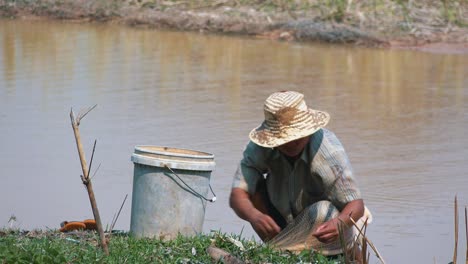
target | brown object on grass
[
  {"x": 90, "y": 224},
  {"x": 71, "y": 226}
]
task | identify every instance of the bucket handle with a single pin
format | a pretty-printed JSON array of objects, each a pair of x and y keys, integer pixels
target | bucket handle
[{"x": 191, "y": 189}]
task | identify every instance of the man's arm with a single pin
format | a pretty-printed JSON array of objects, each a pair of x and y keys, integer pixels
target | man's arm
[
  {"x": 328, "y": 231},
  {"x": 340, "y": 186},
  {"x": 241, "y": 202}
]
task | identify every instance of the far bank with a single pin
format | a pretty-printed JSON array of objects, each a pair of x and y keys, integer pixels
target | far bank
[{"x": 434, "y": 25}]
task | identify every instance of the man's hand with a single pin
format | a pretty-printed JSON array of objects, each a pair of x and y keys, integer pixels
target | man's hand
[
  {"x": 264, "y": 225},
  {"x": 328, "y": 231}
]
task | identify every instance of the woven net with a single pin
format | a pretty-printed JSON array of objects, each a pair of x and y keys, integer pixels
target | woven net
[{"x": 297, "y": 236}]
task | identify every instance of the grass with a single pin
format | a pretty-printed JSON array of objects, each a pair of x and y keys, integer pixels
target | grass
[
  {"x": 439, "y": 11},
  {"x": 81, "y": 247}
]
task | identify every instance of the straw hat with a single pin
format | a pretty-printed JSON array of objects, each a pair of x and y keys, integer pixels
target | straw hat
[{"x": 287, "y": 118}]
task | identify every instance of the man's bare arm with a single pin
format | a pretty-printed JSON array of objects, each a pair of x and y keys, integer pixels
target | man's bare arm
[{"x": 241, "y": 202}]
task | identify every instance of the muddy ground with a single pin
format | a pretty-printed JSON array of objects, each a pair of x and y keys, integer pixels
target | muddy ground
[{"x": 427, "y": 26}]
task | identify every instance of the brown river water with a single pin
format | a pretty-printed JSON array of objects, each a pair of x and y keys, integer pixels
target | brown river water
[{"x": 401, "y": 115}]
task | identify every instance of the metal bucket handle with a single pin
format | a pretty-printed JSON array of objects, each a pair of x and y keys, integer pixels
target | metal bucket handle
[{"x": 212, "y": 200}]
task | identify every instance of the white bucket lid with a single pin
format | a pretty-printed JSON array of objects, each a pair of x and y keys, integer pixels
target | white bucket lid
[{"x": 174, "y": 158}]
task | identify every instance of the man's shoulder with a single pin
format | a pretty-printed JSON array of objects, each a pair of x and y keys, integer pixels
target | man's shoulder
[
  {"x": 253, "y": 149},
  {"x": 328, "y": 133},
  {"x": 325, "y": 141},
  {"x": 323, "y": 135},
  {"x": 330, "y": 139}
]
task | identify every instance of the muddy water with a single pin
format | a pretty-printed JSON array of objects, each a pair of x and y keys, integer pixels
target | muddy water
[{"x": 402, "y": 116}]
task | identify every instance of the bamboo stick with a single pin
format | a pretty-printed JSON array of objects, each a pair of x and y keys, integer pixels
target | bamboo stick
[
  {"x": 456, "y": 231},
  {"x": 117, "y": 216},
  {"x": 466, "y": 233},
  {"x": 364, "y": 253},
  {"x": 368, "y": 241},
  {"x": 85, "y": 177}
]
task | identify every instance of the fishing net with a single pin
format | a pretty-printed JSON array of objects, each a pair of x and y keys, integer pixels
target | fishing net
[{"x": 297, "y": 236}]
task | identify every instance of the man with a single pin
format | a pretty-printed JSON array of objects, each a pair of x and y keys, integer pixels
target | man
[{"x": 295, "y": 184}]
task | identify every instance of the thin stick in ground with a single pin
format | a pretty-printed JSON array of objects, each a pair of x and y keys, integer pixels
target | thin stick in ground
[
  {"x": 117, "y": 217},
  {"x": 466, "y": 234},
  {"x": 368, "y": 241},
  {"x": 85, "y": 177},
  {"x": 92, "y": 156},
  {"x": 456, "y": 232},
  {"x": 364, "y": 253}
]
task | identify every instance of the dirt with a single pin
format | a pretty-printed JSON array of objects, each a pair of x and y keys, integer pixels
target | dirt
[
  {"x": 425, "y": 33},
  {"x": 286, "y": 115},
  {"x": 262, "y": 137}
]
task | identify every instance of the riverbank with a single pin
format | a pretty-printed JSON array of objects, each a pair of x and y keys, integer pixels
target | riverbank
[
  {"x": 428, "y": 24},
  {"x": 81, "y": 247}
]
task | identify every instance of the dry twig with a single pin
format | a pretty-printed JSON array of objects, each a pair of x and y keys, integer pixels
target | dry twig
[
  {"x": 456, "y": 231},
  {"x": 85, "y": 176},
  {"x": 368, "y": 241},
  {"x": 117, "y": 217},
  {"x": 466, "y": 231}
]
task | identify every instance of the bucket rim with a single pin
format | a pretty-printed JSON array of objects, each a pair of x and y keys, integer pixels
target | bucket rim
[
  {"x": 175, "y": 158},
  {"x": 189, "y": 153}
]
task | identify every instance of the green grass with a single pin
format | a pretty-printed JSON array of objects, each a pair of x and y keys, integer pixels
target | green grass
[{"x": 56, "y": 247}]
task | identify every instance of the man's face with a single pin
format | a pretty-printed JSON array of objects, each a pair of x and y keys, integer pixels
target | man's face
[{"x": 294, "y": 148}]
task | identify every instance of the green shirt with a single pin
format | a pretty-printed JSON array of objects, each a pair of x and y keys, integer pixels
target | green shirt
[{"x": 323, "y": 172}]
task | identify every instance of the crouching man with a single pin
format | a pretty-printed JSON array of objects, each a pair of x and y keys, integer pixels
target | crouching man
[{"x": 294, "y": 184}]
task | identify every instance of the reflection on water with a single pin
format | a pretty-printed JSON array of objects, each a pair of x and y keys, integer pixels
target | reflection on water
[{"x": 401, "y": 115}]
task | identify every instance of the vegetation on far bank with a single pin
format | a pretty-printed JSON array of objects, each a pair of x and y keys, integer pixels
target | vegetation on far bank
[
  {"x": 375, "y": 21},
  {"x": 82, "y": 247}
]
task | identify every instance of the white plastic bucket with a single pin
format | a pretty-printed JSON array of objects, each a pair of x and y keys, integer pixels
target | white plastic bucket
[{"x": 170, "y": 187}]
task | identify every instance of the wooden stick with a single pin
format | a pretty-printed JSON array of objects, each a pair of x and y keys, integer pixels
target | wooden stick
[
  {"x": 368, "y": 241},
  {"x": 456, "y": 231},
  {"x": 92, "y": 157},
  {"x": 362, "y": 257},
  {"x": 466, "y": 231},
  {"x": 81, "y": 114},
  {"x": 364, "y": 253},
  {"x": 117, "y": 217},
  {"x": 85, "y": 177}
]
